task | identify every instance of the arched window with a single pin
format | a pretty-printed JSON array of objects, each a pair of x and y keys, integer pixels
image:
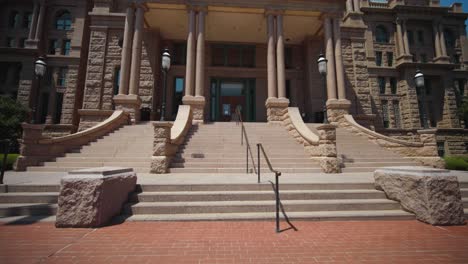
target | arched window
[
  {"x": 63, "y": 21},
  {"x": 14, "y": 20},
  {"x": 449, "y": 38},
  {"x": 381, "y": 34}
]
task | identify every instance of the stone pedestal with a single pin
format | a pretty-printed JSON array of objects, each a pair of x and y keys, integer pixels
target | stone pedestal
[
  {"x": 31, "y": 136},
  {"x": 91, "y": 197},
  {"x": 31, "y": 43},
  {"x": 276, "y": 109},
  {"x": 354, "y": 19},
  {"x": 130, "y": 104},
  {"x": 428, "y": 153},
  {"x": 162, "y": 147},
  {"x": 336, "y": 109},
  {"x": 197, "y": 104},
  {"x": 404, "y": 59},
  {"x": 327, "y": 149},
  {"x": 442, "y": 60},
  {"x": 433, "y": 195}
]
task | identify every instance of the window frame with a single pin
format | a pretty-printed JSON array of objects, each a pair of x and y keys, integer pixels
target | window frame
[{"x": 381, "y": 34}]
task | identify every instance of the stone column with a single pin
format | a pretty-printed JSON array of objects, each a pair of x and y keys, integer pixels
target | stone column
[
  {"x": 327, "y": 149},
  {"x": 136, "y": 51},
  {"x": 52, "y": 98},
  {"x": 349, "y": 5},
  {"x": 443, "y": 47},
  {"x": 190, "y": 62},
  {"x": 40, "y": 21},
  {"x": 405, "y": 39},
  {"x": 435, "y": 29},
  {"x": 162, "y": 149},
  {"x": 357, "y": 6},
  {"x": 330, "y": 55},
  {"x": 401, "y": 46},
  {"x": 280, "y": 57},
  {"x": 271, "y": 59},
  {"x": 339, "y": 60},
  {"x": 126, "y": 51},
  {"x": 200, "y": 63},
  {"x": 32, "y": 29}
]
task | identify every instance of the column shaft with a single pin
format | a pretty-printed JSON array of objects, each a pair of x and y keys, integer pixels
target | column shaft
[
  {"x": 280, "y": 57},
  {"x": 405, "y": 39},
  {"x": 136, "y": 52},
  {"x": 32, "y": 28},
  {"x": 349, "y": 5},
  {"x": 437, "y": 52},
  {"x": 200, "y": 69},
  {"x": 331, "y": 81},
  {"x": 357, "y": 7},
  {"x": 126, "y": 51},
  {"x": 190, "y": 61},
  {"x": 40, "y": 21},
  {"x": 443, "y": 47},
  {"x": 271, "y": 57},
  {"x": 52, "y": 97},
  {"x": 401, "y": 46},
  {"x": 339, "y": 60}
]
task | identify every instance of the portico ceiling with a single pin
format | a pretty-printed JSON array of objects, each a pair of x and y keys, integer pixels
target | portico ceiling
[{"x": 227, "y": 24}]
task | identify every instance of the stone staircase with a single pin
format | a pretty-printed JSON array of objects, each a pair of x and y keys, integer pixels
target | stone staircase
[
  {"x": 216, "y": 148},
  {"x": 129, "y": 146},
  {"x": 361, "y": 155},
  {"x": 318, "y": 201}
]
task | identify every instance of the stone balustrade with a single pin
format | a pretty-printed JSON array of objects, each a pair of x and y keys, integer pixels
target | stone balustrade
[
  {"x": 37, "y": 148},
  {"x": 321, "y": 146}
]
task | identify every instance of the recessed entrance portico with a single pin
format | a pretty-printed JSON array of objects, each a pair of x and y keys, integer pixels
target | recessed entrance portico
[{"x": 277, "y": 46}]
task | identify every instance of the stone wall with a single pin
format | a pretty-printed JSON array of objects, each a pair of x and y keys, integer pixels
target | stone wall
[
  {"x": 26, "y": 83},
  {"x": 455, "y": 140},
  {"x": 69, "y": 97},
  {"x": 112, "y": 63}
]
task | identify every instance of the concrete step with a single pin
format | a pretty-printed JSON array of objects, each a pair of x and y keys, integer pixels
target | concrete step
[
  {"x": 30, "y": 188},
  {"x": 258, "y": 206},
  {"x": 241, "y": 165},
  {"x": 243, "y": 170},
  {"x": 104, "y": 159},
  {"x": 377, "y": 164},
  {"x": 90, "y": 164},
  {"x": 16, "y": 209},
  {"x": 66, "y": 169},
  {"x": 317, "y": 216},
  {"x": 29, "y": 197},
  {"x": 254, "y": 195}
]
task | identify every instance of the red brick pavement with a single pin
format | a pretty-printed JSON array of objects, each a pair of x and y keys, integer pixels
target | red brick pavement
[{"x": 236, "y": 242}]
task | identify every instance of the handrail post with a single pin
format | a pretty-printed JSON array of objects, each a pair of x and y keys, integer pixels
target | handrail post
[
  {"x": 258, "y": 163},
  {"x": 247, "y": 158},
  {"x": 277, "y": 202},
  {"x": 242, "y": 134},
  {"x": 6, "y": 149}
]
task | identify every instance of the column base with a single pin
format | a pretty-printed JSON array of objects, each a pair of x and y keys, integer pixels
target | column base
[
  {"x": 129, "y": 103},
  {"x": 405, "y": 58},
  {"x": 336, "y": 109},
  {"x": 197, "y": 104},
  {"x": 442, "y": 59},
  {"x": 276, "y": 108},
  {"x": 31, "y": 43}
]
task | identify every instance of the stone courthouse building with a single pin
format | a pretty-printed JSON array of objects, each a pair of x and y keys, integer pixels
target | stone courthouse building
[{"x": 257, "y": 54}]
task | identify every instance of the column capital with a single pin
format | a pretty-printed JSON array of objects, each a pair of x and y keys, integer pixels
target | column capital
[
  {"x": 140, "y": 4},
  {"x": 274, "y": 11},
  {"x": 330, "y": 15},
  {"x": 200, "y": 8}
]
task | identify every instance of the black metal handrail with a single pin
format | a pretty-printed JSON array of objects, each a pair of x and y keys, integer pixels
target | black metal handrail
[
  {"x": 6, "y": 147},
  {"x": 248, "y": 149}
]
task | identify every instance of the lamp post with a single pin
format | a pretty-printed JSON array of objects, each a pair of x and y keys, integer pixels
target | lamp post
[
  {"x": 419, "y": 81},
  {"x": 40, "y": 68},
  {"x": 322, "y": 68},
  {"x": 165, "y": 65}
]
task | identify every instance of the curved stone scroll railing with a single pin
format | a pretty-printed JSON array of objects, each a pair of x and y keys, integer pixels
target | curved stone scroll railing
[
  {"x": 167, "y": 138},
  {"x": 424, "y": 151},
  {"x": 36, "y": 148},
  {"x": 321, "y": 146}
]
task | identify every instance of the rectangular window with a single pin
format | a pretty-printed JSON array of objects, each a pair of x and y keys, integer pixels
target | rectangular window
[
  {"x": 396, "y": 113},
  {"x": 178, "y": 94},
  {"x": 16, "y": 74},
  {"x": 421, "y": 37},
  {"x": 11, "y": 42},
  {"x": 423, "y": 58},
  {"x": 27, "y": 19},
  {"x": 288, "y": 58},
  {"x": 23, "y": 42},
  {"x": 58, "y": 108},
  {"x": 393, "y": 85},
  {"x": 3, "y": 73},
  {"x": 390, "y": 59},
  {"x": 180, "y": 54},
  {"x": 420, "y": 106},
  {"x": 381, "y": 81},
  {"x": 410, "y": 37},
  {"x": 248, "y": 56},
  {"x": 233, "y": 55},
  {"x": 378, "y": 58},
  {"x": 53, "y": 45},
  {"x": 66, "y": 47},
  {"x": 116, "y": 80},
  {"x": 428, "y": 86},
  {"x": 441, "y": 148},
  {"x": 218, "y": 58},
  {"x": 62, "y": 77},
  {"x": 386, "y": 122}
]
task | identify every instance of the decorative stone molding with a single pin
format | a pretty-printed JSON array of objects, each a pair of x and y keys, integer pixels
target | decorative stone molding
[
  {"x": 130, "y": 104},
  {"x": 424, "y": 151},
  {"x": 167, "y": 138},
  {"x": 432, "y": 195},
  {"x": 321, "y": 146},
  {"x": 336, "y": 109},
  {"x": 197, "y": 106},
  {"x": 36, "y": 148},
  {"x": 276, "y": 109}
]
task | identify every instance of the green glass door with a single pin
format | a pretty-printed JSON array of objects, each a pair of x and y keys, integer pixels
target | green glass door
[{"x": 229, "y": 94}]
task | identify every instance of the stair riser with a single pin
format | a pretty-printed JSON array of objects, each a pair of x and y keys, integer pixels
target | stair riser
[
  {"x": 33, "y": 188},
  {"x": 17, "y": 211},
  {"x": 241, "y": 170},
  {"x": 67, "y": 169},
  {"x": 238, "y": 165},
  {"x": 252, "y": 197},
  {"x": 257, "y": 208},
  {"x": 29, "y": 199}
]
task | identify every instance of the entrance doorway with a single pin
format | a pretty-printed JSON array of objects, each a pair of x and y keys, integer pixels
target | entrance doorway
[{"x": 229, "y": 94}]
